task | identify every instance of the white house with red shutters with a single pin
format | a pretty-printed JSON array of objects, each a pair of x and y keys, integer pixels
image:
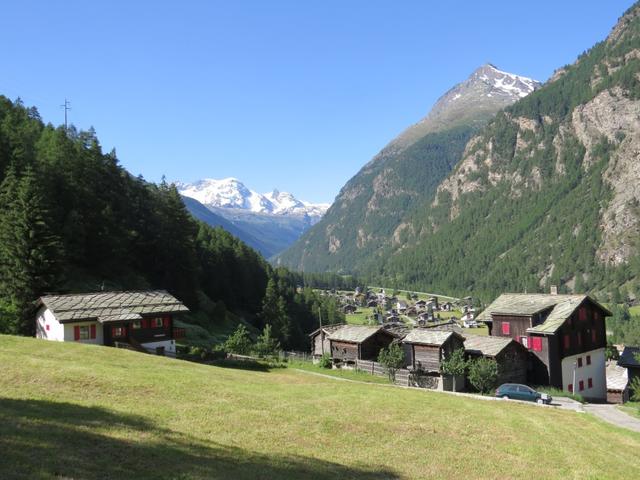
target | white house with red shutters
[
  {"x": 565, "y": 336},
  {"x": 142, "y": 320}
]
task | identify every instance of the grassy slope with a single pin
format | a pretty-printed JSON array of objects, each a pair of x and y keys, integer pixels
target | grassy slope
[{"x": 92, "y": 412}]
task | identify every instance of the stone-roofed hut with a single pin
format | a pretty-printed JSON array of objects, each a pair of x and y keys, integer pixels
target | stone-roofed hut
[
  {"x": 630, "y": 359},
  {"x": 142, "y": 320},
  {"x": 565, "y": 335},
  {"x": 617, "y": 384},
  {"x": 510, "y": 356},
  {"x": 358, "y": 342},
  {"x": 425, "y": 349},
  {"x": 320, "y": 339}
]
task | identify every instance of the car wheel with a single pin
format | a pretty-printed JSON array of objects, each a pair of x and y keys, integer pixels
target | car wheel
[
  {"x": 539, "y": 401},
  {"x": 505, "y": 397}
]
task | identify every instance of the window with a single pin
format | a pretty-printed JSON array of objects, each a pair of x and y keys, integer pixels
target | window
[
  {"x": 590, "y": 383},
  {"x": 579, "y": 362},
  {"x": 567, "y": 342},
  {"x": 536, "y": 344},
  {"x": 582, "y": 314},
  {"x": 524, "y": 341},
  {"x": 570, "y": 388},
  {"x": 596, "y": 315},
  {"x": 506, "y": 328},
  {"x": 588, "y": 359},
  {"x": 117, "y": 332},
  {"x": 594, "y": 336},
  {"x": 581, "y": 385},
  {"x": 136, "y": 325},
  {"x": 85, "y": 332},
  {"x": 156, "y": 322},
  {"x": 47, "y": 327}
]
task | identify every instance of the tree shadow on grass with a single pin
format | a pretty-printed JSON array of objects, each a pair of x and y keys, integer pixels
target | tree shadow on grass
[{"x": 44, "y": 439}]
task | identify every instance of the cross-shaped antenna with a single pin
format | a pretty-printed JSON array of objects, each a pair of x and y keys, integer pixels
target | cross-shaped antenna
[{"x": 67, "y": 107}]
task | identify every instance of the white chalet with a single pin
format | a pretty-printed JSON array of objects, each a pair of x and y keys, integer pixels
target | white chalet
[{"x": 140, "y": 320}]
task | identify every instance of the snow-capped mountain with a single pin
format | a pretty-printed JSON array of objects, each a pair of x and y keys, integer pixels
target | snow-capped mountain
[{"x": 231, "y": 193}]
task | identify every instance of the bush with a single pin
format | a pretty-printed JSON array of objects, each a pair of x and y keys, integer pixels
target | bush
[
  {"x": 483, "y": 374},
  {"x": 454, "y": 364},
  {"x": 266, "y": 345},
  {"x": 239, "y": 342},
  {"x": 325, "y": 361}
]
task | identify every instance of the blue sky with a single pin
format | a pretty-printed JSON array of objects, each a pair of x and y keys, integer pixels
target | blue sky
[{"x": 296, "y": 95}]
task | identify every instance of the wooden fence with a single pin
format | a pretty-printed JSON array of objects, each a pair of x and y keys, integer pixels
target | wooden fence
[{"x": 375, "y": 368}]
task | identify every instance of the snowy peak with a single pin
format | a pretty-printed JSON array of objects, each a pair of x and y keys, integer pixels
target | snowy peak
[
  {"x": 504, "y": 82},
  {"x": 231, "y": 193}
]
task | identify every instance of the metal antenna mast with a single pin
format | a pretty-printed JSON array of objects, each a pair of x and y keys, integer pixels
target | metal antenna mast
[{"x": 66, "y": 107}]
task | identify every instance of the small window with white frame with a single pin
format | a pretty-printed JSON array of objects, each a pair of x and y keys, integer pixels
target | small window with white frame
[
  {"x": 524, "y": 341},
  {"x": 136, "y": 324},
  {"x": 157, "y": 322},
  {"x": 85, "y": 332}
]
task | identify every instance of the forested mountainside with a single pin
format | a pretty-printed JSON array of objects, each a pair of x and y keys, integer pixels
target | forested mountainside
[
  {"x": 546, "y": 193},
  {"x": 73, "y": 220},
  {"x": 367, "y": 216}
]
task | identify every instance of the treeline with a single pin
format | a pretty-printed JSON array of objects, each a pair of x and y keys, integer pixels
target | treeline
[{"x": 72, "y": 219}]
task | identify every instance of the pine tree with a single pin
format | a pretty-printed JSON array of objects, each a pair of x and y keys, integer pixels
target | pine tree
[
  {"x": 29, "y": 252},
  {"x": 274, "y": 312}
]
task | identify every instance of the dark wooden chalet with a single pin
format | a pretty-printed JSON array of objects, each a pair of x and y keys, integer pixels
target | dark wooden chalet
[
  {"x": 320, "y": 339},
  {"x": 565, "y": 335},
  {"x": 141, "y": 320},
  {"x": 629, "y": 360},
  {"x": 425, "y": 349},
  {"x": 510, "y": 356},
  {"x": 351, "y": 342}
]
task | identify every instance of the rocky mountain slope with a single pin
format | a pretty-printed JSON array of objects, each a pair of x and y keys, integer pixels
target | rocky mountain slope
[
  {"x": 368, "y": 213},
  {"x": 547, "y": 192},
  {"x": 268, "y": 222}
]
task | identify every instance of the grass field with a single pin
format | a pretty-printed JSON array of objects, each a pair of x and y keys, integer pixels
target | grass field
[
  {"x": 84, "y": 412},
  {"x": 632, "y": 408},
  {"x": 360, "y": 317},
  {"x": 635, "y": 310}
]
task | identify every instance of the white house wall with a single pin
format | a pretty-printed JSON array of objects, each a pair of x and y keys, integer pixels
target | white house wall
[
  {"x": 59, "y": 332},
  {"x": 169, "y": 345},
  {"x": 596, "y": 371}
]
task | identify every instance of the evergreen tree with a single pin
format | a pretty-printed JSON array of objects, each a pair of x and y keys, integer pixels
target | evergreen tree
[
  {"x": 274, "y": 312},
  {"x": 29, "y": 252}
]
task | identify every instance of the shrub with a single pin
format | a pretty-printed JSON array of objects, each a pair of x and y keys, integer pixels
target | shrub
[
  {"x": 454, "y": 364},
  {"x": 325, "y": 361},
  {"x": 267, "y": 345},
  {"x": 483, "y": 374},
  {"x": 392, "y": 358},
  {"x": 239, "y": 342}
]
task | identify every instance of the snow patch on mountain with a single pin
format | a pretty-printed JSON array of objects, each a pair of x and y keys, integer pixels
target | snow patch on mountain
[{"x": 231, "y": 193}]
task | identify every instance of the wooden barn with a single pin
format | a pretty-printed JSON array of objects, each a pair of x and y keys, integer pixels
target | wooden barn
[
  {"x": 617, "y": 384},
  {"x": 425, "y": 349},
  {"x": 351, "y": 342},
  {"x": 510, "y": 356},
  {"x": 629, "y": 360},
  {"x": 320, "y": 339}
]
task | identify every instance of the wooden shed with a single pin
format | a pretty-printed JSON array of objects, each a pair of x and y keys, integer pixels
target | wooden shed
[
  {"x": 510, "y": 356},
  {"x": 351, "y": 342},
  {"x": 320, "y": 339},
  {"x": 617, "y": 384},
  {"x": 425, "y": 349}
]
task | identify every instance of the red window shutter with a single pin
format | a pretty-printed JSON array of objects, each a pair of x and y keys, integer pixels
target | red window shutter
[
  {"x": 536, "y": 343},
  {"x": 594, "y": 336},
  {"x": 579, "y": 362},
  {"x": 567, "y": 341},
  {"x": 582, "y": 314},
  {"x": 570, "y": 388},
  {"x": 144, "y": 323},
  {"x": 76, "y": 333},
  {"x": 581, "y": 384},
  {"x": 506, "y": 328},
  {"x": 47, "y": 327},
  {"x": 93, "y": 331},
  {"x": 165, "y": 322}
]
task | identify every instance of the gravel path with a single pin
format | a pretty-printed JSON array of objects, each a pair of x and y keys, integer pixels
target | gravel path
[{"x": 611, "y": 414}]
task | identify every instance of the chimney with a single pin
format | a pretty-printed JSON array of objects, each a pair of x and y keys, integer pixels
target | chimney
[{"x": 554, "y": 289}]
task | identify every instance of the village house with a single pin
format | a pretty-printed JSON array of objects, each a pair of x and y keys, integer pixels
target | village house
[
  {"x": 617, "y": 384},
  {"x": 347, "y": 309},
  {"x": 510, "y": 356},
  {"x": 140, "y": 320},
  {"x": 565, "y": 335},
  {"x": 425, "y": 349},
  {"x": 320, "y": 340},
  {"x": 358, "y": 342},
  {"x": 629, "y": 359}
]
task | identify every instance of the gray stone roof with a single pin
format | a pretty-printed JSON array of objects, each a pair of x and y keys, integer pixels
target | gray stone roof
[
  {"x": 485, "y": 345},
  {"x": 531, "y": 303},
  {"x": 617, "y": 377},
  {"x": 111, "y": 306},
  {"x": 327, "y": 329},
  {"x": 354, "y": 333},
  {"x": 429, "y": 336},
  {"x": 628, "y": 357}
]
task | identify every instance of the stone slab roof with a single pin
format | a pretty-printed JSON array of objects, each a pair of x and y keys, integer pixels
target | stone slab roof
[
  {"x": 353, "y": 333},
  {"x": 529, "y": 304},
  {"x": 111, "y": 306},
  {"x": 429, "y": 336},
  {"x": 617, "y": 377},
  {"x": 327, "y": 329},
  {"x": 485, "y": 345},
  {"x": 628, "y": 357}
]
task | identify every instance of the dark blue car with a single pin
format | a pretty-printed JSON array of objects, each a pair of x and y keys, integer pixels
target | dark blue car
[{"x": 516, "y": 391}]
